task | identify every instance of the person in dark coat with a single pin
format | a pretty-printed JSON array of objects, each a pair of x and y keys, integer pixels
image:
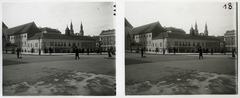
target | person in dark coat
[
  {"x": 50, "y": 50},
  {"x": 142, "y": 50},
  {"x": 174, "y": 50},
  {"x": 18, "y": 51},
  {"x": 212, "y": 51},
  {"x": 76, "y": 53},
  {"x": 200, "y": 53},
  {"x": 109, "y": 53},
  {"x": 82, "y": 50},
  {"x": 87, "y": 51},
  {"x": 233, "y": 52}
]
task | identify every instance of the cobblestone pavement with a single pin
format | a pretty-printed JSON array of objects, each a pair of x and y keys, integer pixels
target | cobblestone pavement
[
  {"x": 180, "y": 74},
  {"x": 64, "y": 82},
  {"x": 186, "y": 82}
]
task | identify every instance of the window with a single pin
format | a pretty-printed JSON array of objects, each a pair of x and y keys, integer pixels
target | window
[
  {"x": 25, "y": 36},
  {"x": 78, "y": 43},
  {"x": 160, "y": 44},
  {"x": 51, "y": 43},
  {"x": 180, "y": 43},
  {"x": 55, "y": 43},
  {"x": 202, "y": 43},
  {"x": 188, "y": 43},
  {"x": 193, "y": 43},
  {"x": 36, "y": 44},
  {"x": 64, "y": 43}
]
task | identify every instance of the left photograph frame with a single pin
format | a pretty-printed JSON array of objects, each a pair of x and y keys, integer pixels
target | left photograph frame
[{"x": 58, "y": 48}]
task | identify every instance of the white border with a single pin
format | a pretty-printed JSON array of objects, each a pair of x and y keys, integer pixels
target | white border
[{"x": 120, "y": 59}]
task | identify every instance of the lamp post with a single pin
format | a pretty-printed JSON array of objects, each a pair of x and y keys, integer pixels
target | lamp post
[{"x": 39, "y": 46}]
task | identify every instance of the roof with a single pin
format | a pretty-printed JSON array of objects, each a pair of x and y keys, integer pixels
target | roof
[
  {"x": 59, "y": 36},
  {"x": 4, "y": 25},
  {"x": 127, "y": 24},
  {"x": 50, "y": 30},
  {"x": 24, "y": 28},
  {"x": 184, "y": 36},
  {"x": 175, "y": 30},
  {"x": 106, "y": 32},
  {"x": 95, "y": 38},
  {"x": 230, "y": 32},
  {"x": 154, "y": 27}
]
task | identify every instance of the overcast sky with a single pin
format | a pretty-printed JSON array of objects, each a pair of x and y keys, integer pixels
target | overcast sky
[
  {"x": 183, "y": 15},
  {"x": 95, "y": 17}
]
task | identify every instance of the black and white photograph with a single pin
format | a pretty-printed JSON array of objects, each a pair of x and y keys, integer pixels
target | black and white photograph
[
  {"x": 58, "y": 48},
  {"x": 181, "y": 48}
]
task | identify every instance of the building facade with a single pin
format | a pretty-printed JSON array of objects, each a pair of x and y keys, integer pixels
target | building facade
[
  {"x": 107, "y": 39},
  {"x": 29, "y": 37},
  {"x": 230, "y": 40},
  {"x": 129, "y": 39},
  {"x": 60, "y": 43},
  {"x": 156, "y": 38}
]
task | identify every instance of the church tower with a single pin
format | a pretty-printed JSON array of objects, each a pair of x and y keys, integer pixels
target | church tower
[
  {"x": 67, "y": 31},
  {"x": 81, "y": 30},
  {"x": 196, "y": 30},
  {"x": 206, "y": 30},
  {"x": 71, "y": 29},
  {"x": 192, "y": 32}
]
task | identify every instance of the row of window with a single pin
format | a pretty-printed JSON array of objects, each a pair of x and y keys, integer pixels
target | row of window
[
  {"x": 176, "y": 43},
  {"x": 18, "y": 36},
  {"x": 108, "y": 43},
  {"x": 228, "y": 38},
  {"x": 142, "y": 36},
  {"x": 84, "y": 44},
  {"x": 107, "y": 37}
]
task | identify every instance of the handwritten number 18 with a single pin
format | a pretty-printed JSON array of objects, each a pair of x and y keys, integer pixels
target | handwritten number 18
[{"x": 229, "y": 6}]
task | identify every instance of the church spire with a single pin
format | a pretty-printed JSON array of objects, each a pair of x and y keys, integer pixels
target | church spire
[
  {"x": 81, "y": 30},
  {"x": 71, "y": 29},
  {"x": 67, "y": 31},
  {"x": 196, "y": 29},
  {"x": 206, "y": 30}
]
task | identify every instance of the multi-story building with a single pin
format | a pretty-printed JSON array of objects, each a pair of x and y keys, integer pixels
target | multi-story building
[
  {"x": 230, "y": 40},
  {"x": 107, "y": 39},
  {"x": 129, "y": 39},
  {"x": 29, "y": 36},
  {"x": 5, "y": 38},
  {"x": 60, "y": 43},
  {"x": 155, "y": 37}
]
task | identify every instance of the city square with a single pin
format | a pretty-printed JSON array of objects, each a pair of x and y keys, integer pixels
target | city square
[
  {"x": 185, "y": 50},
  {"x": 58, "y": 74},
  {"x": 171, "y": 74}
]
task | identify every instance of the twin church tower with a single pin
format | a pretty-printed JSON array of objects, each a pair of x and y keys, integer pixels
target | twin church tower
[
  {"x": 71, "y": 31},
  {"x": 195, "y": 32}
]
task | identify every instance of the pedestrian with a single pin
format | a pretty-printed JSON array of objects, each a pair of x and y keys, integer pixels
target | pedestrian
[
  {"x": 174, "y": 50},
  {"x": 87, "y": 51},
  {"x": 109, "y": 53},
  {"x": 18, "y": 50},
  {"x": 82, "y": 50},
  {"x": 200, "y": 53},
  {"x": 233, "y": 52},
  {"x": 50, "y": 50},
  {"x": 142, "y": 51},
  {"x": 211, "y": 51},
  {"x": 76, "y": 53}
]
